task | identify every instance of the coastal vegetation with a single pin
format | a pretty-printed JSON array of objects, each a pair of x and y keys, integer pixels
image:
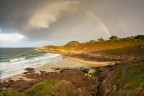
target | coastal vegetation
[
  {"x": 100, "y": 44},
  {"x": 53, "y": 88},
  {"x": 10, "y": 92},
  {"x": 128, "y": 79}
]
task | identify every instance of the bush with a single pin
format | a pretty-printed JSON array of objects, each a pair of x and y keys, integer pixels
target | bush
[
  {"x": 101, "y": 40},
  {"x": 141, "y": 37},
  {"x": 72, "y": 43},
  {"x": 113, "y": 38}
]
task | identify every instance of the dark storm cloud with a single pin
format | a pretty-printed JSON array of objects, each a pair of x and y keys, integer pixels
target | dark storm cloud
[
  {"x": 70, "y": 19},
  {"x": 15, "y": 13}
]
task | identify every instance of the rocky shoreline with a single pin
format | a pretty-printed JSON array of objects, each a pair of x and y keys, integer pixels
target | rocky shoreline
[
  {"x": 77, "y": 76},
  {"x": 88, "y": 81},
  {"x": 94, "y": 81}
]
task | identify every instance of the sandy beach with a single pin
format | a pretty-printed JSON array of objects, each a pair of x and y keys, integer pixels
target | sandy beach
[{"x": 63, "y": 62}]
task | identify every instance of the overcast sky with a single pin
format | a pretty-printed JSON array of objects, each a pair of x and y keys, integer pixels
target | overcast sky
[{"x": 34, "y": 23}]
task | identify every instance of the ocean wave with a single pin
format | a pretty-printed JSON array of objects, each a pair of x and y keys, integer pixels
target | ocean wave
[
  {"x": 17, "y": 66},
  {"x": 17, "y": 59}
]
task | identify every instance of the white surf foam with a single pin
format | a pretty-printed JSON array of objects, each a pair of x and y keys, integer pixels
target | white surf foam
[
  {"x": 17, "y": 66},
  {"x": 17, "y": 59}
]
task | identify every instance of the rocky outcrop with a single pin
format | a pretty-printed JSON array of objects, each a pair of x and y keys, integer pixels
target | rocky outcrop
[{"x": 76, "y": 76}]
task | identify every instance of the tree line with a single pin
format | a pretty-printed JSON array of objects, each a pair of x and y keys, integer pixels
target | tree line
[
  {"x": 116, "y": 38},
  {"x": 138, "y": 38}
]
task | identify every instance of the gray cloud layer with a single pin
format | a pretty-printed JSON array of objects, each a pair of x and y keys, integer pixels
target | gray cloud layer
[{"x": 72, "y": 19}]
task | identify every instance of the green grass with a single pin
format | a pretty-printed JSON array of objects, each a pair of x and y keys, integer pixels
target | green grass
[
  {"x": 135, "y": 50},
  {"x": 9, "y": 92},
  {"x": 129, "y": 79},
  {"x": 46, "y": 88},
  {"x": 53, "y": 88}
]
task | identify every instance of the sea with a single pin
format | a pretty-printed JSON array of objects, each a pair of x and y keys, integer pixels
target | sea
[{"x": 13, "y": 61}]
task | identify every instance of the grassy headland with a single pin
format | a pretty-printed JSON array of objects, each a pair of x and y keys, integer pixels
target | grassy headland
[{"x": 114, "y": 49}]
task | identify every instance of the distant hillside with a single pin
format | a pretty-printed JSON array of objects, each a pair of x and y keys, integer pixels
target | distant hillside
[{"x": 129, "y": 46}]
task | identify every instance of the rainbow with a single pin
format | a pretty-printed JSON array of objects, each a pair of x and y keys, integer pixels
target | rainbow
[{"x": 99, "y": 21}]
